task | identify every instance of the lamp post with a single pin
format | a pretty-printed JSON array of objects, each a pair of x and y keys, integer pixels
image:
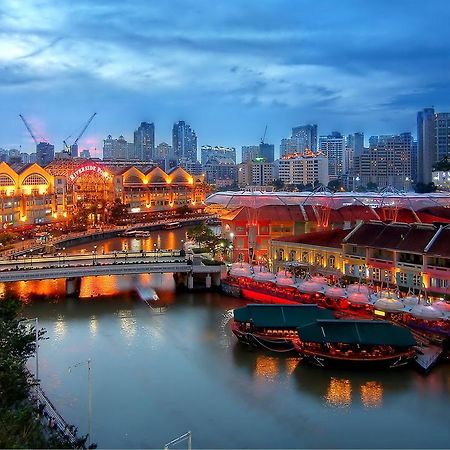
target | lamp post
[
  {"x": 63, "y": 259},
  {"x": 31, "y": 257},
  {"x": 88, "y": 363},
  {"x": 154, "y": 250},
  {"x": 232, "y": 245},
  {"x": 59, "y": 259}
]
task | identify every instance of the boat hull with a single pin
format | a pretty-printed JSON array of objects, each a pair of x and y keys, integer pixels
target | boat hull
[{"x": 255, "y": 339}]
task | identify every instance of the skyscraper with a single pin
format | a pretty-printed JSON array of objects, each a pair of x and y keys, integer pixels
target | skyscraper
[
  {"x": 114, "y": 149},
  {"x": 45, "y": 153},
  {"x": 333, "y": 147},
  {"x": 306, "y": 136},
  {"x": 249, "y": 152},
  {"x": 184, "y": 141},
  {"x": 267, "y": 151},
  {"x": 426, "y": 144},
  {"x": 144, "y": 142}
]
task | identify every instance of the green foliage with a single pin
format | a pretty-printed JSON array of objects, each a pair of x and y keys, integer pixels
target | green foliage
[
  {"x": 118, "y": 210},
  {"x": 278, "y": 184},
  {"x": 371, "y": 186},
  {"x": 336, "y": 185},
  {"x": 20, "y": 425},
  {"x": 422, "y": 188},
  {"x": 444, "y": 164}
]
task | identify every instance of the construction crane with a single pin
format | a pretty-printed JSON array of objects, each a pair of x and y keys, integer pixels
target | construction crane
[
  {"x": 30, "y": 130},
  {"x": 264, "y": 135},
  {"x": 73, "y": 149}
]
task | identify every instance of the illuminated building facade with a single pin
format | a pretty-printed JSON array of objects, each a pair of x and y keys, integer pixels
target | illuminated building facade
[
  {"x": 31, "y": 194},
  {"x": 409, "y": 256}
]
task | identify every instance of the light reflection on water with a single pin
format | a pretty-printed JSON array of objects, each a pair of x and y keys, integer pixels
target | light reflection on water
[{"x": 157, "y": 375}]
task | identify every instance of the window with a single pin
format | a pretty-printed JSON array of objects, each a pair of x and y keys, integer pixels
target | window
[
  {"x": 332, "y": 261},
  {"x": 6, "y": 180},
  {"x": 417, "y": 280},
  {"x": 305, "y": 257},
  {"x": 402, "y": 278},
  {"x": 281, "y": 254},
  {"x": 376, "y": 274},
  {"x": 292, "y": 255},
  {"x": 319, "y": 260},
  {"x": 34, "y": 179}
]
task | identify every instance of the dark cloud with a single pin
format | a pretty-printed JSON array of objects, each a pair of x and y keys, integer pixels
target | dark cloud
[{"x": 346, "y": 64}]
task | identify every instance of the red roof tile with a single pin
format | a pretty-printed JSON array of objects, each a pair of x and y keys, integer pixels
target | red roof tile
[{"x": 327, "y": 238}]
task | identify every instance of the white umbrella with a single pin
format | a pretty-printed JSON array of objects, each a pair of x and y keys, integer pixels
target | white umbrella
[
  {"x": 241, "y": 272},
  {"x": 442, "y": 306},
  {"x": 426, "y": 312},
  {"x": 284, "y": 281},
  {"x": 335, "y": 292},
  {"x": 410, "y": 300},
  {"x": 264, "y": 276},
  {"x": 240, "y": 265},
  {"x": 359, "y": 298},
  {"x": 389, "y": 304},
  {"x": 356, "y": 287},
  {"x": 311, "y": 287}
]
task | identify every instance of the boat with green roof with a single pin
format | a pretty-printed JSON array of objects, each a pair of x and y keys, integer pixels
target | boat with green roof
[
  {"x": 274, "y": 326},
  {"x": 361, "y": 343}
]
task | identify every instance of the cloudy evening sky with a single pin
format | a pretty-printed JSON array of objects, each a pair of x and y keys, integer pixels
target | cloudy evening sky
[{"x": 226, "y": 67}]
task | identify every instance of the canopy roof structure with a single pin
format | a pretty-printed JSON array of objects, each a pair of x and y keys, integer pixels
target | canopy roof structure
[
  {"x": 280, "y": 316},
  {"x": 364, "y": 332},
  {"x": 334, "y": 200}
]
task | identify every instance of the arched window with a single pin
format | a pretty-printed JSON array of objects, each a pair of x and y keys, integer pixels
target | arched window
[
  {"x": 292, "y": 255},
  {"x": 305, "y": 257},
  {"x": 6, "y": 180},
  {"x": 34, "y": 180},
  {"x": 281, "y": 254},
  {"x": 319, "y": 259}
]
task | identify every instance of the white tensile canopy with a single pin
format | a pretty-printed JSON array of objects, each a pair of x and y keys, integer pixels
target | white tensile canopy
[
  {"x": 389, "y": 304},
  {"x": 426, "y": 312},
  {"x": 359, "y": 298},
  {"x": 241, "y": 272},
  {"x": 264, "y": 276},
  {"x": 335, "y": 292},
  {"x": 311, "y": 287},
  {"x": 356, "y": 287}
]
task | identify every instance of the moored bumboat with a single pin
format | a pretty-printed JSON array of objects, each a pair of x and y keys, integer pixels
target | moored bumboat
[
  {"x": 362, "y": 343},
  {"x": 273, "y": 326}
]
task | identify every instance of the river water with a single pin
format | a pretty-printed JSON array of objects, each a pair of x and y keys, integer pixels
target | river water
[{"x": 159, "y": 373}]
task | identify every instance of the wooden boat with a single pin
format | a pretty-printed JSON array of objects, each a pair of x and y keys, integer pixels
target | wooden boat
[
  {"x": 273, "y": 326},
  {"x": 360, "y": 343}
]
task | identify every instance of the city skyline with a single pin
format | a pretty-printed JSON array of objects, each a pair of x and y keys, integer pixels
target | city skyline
[{"x": 227, "y": 70}]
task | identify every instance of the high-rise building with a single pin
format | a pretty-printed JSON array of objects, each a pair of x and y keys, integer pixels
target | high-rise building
[
  {"x": 426, "y": 144},
  {"x": 45, "y": 153},
  {"x": 86, "y": 154},
  {"x": 249, "y": 152},
  {"x": 388, "y": 163},
  {"x": 144, "y": 143},
  {"x": 220, "y": 171},
  {"x": 306, "y": 136},
  {"x": 267, "y": 151},
  {"x": 333, "y": 147},
  {"x": 308, "y": 168},
  {"x": 208, "y": 151},
  {"x": 163, "y": 150},
  {"x": 115, "y": 149},
  {"x": 289, "y": 146},
  {"x": 184, "y": 141}
]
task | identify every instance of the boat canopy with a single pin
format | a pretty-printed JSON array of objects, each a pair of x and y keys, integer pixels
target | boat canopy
[
  {"x": 241, "y": 272},
  {"x": 311, "y": 287},
  {"x": 335, "y": 292},
  {"x": 389, "y": 304},
  {"x": 263, "y": 276},
  {"x": 359, "y": 298},
  {"x": 284, "y": 281},
  {"x": 280, "y": 316},
  {"x": 364, "y": 332},
  {"x": 356, "y": 287}
]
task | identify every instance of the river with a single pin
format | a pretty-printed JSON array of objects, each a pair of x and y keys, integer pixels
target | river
[{"x": 157, "y": 374}]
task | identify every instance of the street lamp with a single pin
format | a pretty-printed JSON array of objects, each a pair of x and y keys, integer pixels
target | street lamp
[
  {"x": 31, "y": 257},
  {"x": 154, "y": 250},
  {"x": 82, "y": 363},
  {"x": 64, "y": 249},
  {"x": 232, "y": 245}
]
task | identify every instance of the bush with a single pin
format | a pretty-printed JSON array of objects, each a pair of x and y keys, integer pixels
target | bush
[{"x": 198, "y": 250}]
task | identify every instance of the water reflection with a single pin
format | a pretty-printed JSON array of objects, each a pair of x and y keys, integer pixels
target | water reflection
[
  {"x": 60, "y": 327},
  {"x": 266, "y": 367},
  {"x": 127, "y": 322},
  {"x": 372, "y": 394},
  {"x": 93, "y": 325},
  {"x": 339, "y": 393}
]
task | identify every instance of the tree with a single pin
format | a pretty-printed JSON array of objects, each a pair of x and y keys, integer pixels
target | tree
[
  {"x": 423, "y": 188},
  {"x": 20, "y": 425},
  {"x": 118, "y": 211},
  {"x": 278, "y": 184},
  {"x": 335, "y": 185},
  {"x": 371, "y": 186}
]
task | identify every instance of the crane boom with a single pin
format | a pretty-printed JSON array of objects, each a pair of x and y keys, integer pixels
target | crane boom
[
  {"x": 85, "y": 128},
  {"x": 29, "y": 129},
  {"x": 264, "y": 136}
]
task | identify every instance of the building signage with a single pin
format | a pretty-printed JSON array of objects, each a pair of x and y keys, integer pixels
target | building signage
[{"x": 89, "y": 168}]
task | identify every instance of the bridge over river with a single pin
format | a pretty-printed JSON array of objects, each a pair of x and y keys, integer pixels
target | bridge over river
[{"x": 75, "y": 266}]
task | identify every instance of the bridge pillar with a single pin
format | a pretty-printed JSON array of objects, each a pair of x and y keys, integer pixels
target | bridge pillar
[
  {"x": 216, "y": 279},
  {"x": 190, "y": 283},
  {"x": 208, "y": 281},
  {"x": 73, "y": 286}
]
